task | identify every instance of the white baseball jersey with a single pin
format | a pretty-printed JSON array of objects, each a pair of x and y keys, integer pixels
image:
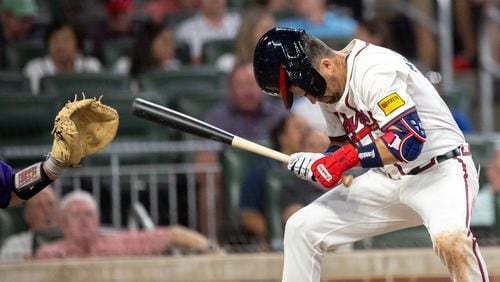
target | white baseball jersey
[
  {"x": 381, "y": 87},
  {"x": 376, "y": 96}
]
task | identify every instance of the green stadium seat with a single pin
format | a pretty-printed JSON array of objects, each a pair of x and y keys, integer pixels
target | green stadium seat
[
  {"x": 14, "y": 83},
  {"x": 183, "y": 53},
  {"x": 17, "y": 54},
  {"x": 26, "y": 120},
  {"x": 481, "y": 149},
  {"x": 275, "y": 180},
  {"x": 6, "y": 225},
  {"x": 213, "y": 49},
  {"x": 170, "y": 84},
  {"x": 235, "y": 163},
  {"x": 415, "y": 237},
  {"x": 175, "y": 18},
  {"x": 11, "y": 222},
  {"x": 92, "y": 84},
  {"x": 197, "y": 103},
  {"x": 115, "y": 49}
]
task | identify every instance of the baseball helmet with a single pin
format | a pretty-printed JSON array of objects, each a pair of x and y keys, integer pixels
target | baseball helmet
[{"x": 280, "y": 62}]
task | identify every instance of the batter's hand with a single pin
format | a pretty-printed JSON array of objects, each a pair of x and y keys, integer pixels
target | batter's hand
[
  {"x": 300, "y": 164},
  {"x": 328, "y": 170}
]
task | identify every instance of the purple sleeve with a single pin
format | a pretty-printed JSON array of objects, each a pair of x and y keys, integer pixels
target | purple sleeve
[{"x": 6, "y": 184}]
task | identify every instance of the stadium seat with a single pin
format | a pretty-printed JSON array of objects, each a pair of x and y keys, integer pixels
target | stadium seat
[
  {"x": 182, "y": 52},
  {"x": 197, "y": 102},
  {"x": 92, "y": 84},
  {"x": 235, "y": 163},
  {"x": 415, "y": 237},
  {"x": 26, "y": 120},
  {"x": 481, "y": 149},
  {"x": 175, "y": 18},
  {"x": 6, "y": 225},
  {"x": 213, "y": 49},
  {"x": 170, "y": 84},
  {"x": 275, "y": 180},
  {"x": 14, "y": 83},
  {"x": 115, "y": 49},
  {"x": 19, "y": 53}
]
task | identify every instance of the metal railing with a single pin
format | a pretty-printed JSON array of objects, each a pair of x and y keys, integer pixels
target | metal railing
[{"x": 119, "y": 179}]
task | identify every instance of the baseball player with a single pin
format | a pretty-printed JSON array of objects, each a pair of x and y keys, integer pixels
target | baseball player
[
  {"x": 383, "y": 115},
  {"x": 82, "y": 127}
]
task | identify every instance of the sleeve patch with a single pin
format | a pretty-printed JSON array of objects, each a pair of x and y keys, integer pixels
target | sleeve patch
[{"x": 390, "y": 103}]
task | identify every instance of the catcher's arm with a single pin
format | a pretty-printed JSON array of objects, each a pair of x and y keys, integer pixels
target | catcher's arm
[{"x": 82, "y": 127}]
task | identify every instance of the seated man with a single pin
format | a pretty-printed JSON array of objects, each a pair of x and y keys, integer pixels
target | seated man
[
  {"x": 79, "y": 222},
  {"x": 40, "y": 215}
]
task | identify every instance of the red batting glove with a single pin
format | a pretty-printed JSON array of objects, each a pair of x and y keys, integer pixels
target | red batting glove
[{"x": 328, "y": 170}]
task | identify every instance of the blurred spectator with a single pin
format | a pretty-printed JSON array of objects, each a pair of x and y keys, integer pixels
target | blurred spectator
[
  {"x": 153, "y": 50},
  {"x": 79, "y": 222},
  {"x": 286, "y": 137},
  {"x": 16, "y": 22},
  {"x": 119, "y": 24},
  {"x": 64, "y": 43},
  {"x": 426, "y": 46},
  {"x": 298, "y": 193},
  {"x": 317, "y": 20},
  {"x": 40, "y": 215},
  {"x": 212, "y": 22},
  {"x": 159, "y": 9},
  {"x": 466, "y": 35},
  {"x": 275, "y": 6},
  {"x": 484, "y": 210},
  {"x": 374, "y": 31},
  {"x": 256, "y": 21},
  {"x": 245, "y": 113}
]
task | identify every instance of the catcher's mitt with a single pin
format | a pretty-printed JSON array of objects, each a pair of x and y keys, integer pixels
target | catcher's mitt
[{"x": 81, "y": 128}]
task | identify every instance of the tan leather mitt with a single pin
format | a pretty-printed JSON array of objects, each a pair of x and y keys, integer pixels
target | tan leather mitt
[{"x": 82, "y": 127}]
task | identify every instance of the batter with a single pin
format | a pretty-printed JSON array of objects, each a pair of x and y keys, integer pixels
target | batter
[{"x": 384, "y": 115}]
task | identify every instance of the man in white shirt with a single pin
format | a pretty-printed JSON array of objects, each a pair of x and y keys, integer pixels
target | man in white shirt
[{"x": 211, "y": 23}]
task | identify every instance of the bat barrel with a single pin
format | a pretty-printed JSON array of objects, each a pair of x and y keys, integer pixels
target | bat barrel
[{"x": 171, "y": 118}]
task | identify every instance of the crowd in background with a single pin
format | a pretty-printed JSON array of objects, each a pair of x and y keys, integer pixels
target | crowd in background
[{"x": 169, "y": 35}]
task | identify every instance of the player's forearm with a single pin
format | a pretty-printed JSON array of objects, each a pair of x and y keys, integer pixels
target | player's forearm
[{"x": 385, "y": 155}]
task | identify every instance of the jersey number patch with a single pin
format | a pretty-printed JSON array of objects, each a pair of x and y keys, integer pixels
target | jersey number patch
[{"x": 390, "y": 103}]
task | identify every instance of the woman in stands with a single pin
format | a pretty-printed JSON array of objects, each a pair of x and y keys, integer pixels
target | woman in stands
[{"x": 64, "y": 44}]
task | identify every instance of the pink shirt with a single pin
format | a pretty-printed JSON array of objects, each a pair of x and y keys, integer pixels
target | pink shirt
[{"x": 122, "y": 243}]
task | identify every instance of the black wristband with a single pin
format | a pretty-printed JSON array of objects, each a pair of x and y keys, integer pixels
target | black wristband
[{"x": 31, "y": 180}]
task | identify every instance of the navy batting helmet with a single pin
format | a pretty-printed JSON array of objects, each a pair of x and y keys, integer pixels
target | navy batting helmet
[{"x": 280, "y": 62}]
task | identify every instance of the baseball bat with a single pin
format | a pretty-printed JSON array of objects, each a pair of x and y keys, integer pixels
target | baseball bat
[{"x": 174, "y": 119}]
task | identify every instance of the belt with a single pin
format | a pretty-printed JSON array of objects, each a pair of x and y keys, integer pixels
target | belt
[{"x": 459, "y": 151}]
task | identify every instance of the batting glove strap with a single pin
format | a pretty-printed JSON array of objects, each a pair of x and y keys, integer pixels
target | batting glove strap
[
  {"x": 300, "y": 164},
  {"x": 328, "y": 170}
]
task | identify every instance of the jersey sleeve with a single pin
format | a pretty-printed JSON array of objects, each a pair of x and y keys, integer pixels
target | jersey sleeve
[
  {"x": 6, "y": 184},
  {"x": 387, "y": 93}
]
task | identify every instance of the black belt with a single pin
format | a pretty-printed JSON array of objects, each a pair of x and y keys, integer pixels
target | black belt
[{"x": 438, "y": 159}]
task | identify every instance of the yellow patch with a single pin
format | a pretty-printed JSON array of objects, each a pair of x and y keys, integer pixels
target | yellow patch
[{"x": 390, "y": 103}]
